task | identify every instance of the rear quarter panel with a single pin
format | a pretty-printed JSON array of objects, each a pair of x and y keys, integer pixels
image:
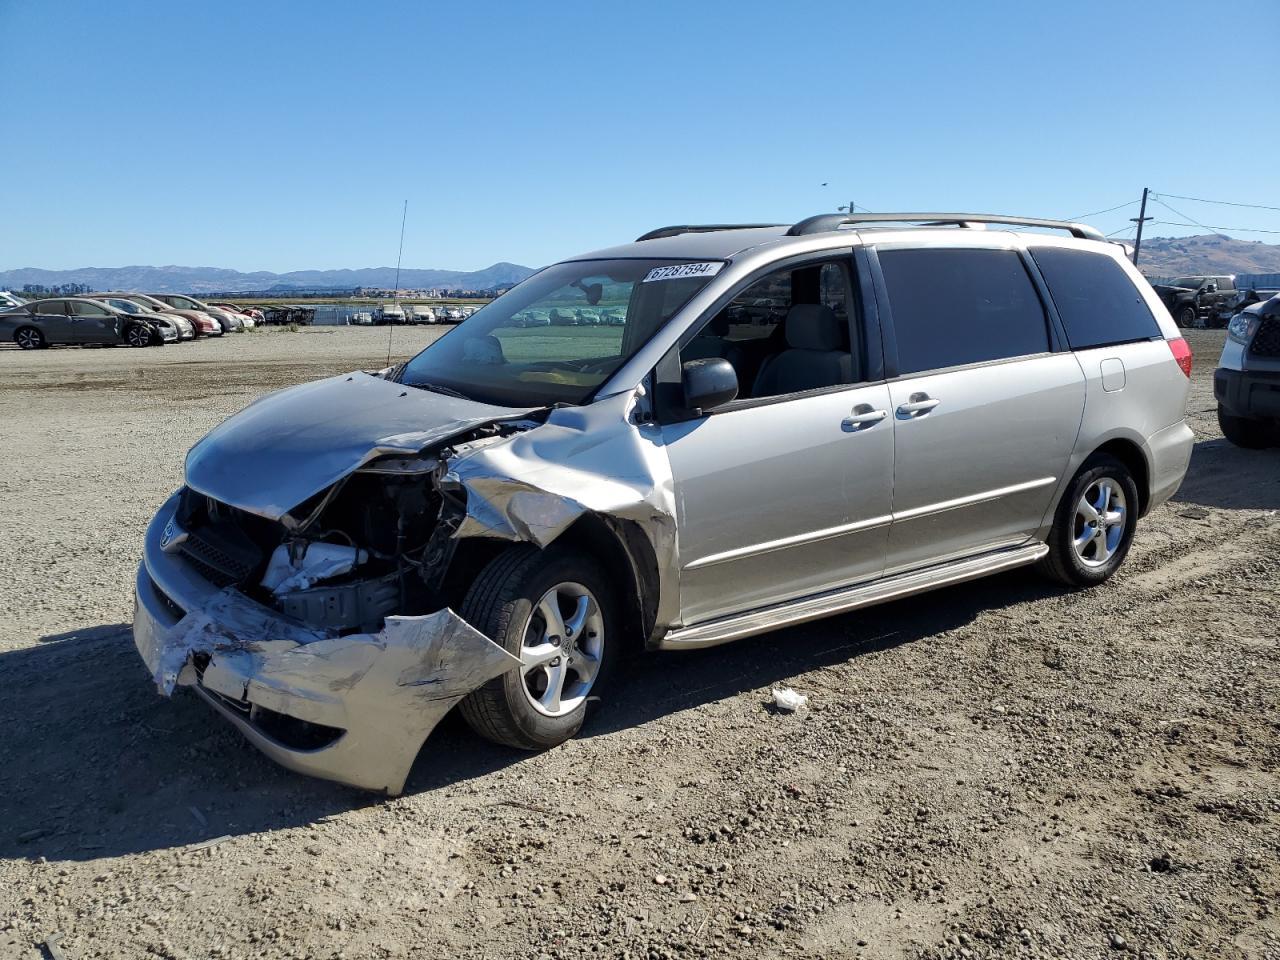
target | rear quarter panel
[{"x": 1147, "y": 409}]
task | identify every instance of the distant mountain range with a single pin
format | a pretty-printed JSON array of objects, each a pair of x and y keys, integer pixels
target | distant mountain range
[
  {"x": 197, "y": 280},
  {"x": 1208, "y": 254},
  {"x": 1160, "y": 257}
]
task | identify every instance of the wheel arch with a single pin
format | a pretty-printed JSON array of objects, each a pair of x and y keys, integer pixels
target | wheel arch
[
  {"x": 1131, "y": 454},
  {"x": 620, "y": 545}
]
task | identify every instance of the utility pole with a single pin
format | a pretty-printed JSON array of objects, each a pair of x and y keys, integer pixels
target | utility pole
[
  {"x": 1140, "y": 219},
  {"x": 849, "y": 209}
]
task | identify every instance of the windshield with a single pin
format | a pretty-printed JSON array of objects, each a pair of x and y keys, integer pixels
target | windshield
[
  {"x": 128, "y": 306},
  {"x": 1191, "y": 283},
  {"x": 560, "y": 334}
]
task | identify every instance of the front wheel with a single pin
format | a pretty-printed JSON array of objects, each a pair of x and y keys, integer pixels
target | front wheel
[
  {"x": 556, "y": 611},
  {"x": 1188, "y": 316},
  {"x": 138, "y": 336},
  {"x": 1094, "y": 524},
  {"x": 1245, "y": 431}
]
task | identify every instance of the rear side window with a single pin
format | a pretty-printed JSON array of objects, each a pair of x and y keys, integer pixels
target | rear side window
[
  {"x": 952, "y": 307},
  {"x": 53, "y": 308},
  {"x": 1097, "y": 301},
  {"x": 82, "y": 309}
]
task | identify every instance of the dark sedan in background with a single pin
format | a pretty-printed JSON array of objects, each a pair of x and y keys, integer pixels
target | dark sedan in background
[{"x": 78, "y": 320}]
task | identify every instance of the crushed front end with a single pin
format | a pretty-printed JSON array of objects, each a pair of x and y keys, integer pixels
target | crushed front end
[{"x": 320, "y": 631}]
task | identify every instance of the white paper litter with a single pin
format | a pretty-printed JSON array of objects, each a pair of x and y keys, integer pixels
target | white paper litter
[
  {"x": 786, "y": 699},
  {"x": 322, "y": 561}
]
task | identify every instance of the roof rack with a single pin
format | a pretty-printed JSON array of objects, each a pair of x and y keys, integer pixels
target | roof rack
[
  {"x": 702, "y": 228},
  {"x": 824, "y": 222}
]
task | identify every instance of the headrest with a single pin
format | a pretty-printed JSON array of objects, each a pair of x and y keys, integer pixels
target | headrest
[{"x": 812, "y": 326}]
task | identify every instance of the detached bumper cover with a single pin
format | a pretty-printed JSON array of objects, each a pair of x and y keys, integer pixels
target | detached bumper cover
[
  {"x": 375, "y": 696},
  {"x": 1248, "y": 393}
]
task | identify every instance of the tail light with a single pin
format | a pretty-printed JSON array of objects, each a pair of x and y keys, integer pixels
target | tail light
[{"x": 1182, "y": 354}]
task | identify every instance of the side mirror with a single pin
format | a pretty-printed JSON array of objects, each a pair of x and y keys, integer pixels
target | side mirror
[{"x": 708, "y": 383}]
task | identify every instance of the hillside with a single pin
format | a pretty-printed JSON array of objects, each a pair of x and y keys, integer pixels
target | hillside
[
  {"x": 196, "y": 280},
  {"x": 1211, "y": 253}
]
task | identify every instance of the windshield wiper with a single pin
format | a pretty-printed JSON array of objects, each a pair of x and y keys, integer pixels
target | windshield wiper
[{"x": 438, "y": 388}]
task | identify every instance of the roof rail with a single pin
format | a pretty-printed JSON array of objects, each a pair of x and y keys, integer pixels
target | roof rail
[
  {"x": 824, "y": 222},
  {"x": 702, "y": 228}
]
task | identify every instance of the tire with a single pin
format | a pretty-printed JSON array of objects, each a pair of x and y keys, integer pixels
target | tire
[
  {"x": 503, "y": 603},
  {"x": 1100, "y": 556},
  {"x": 1188, "y": 316},
  {"x": 29, "y": 338},
  {"x": 1245, "y": 431},
  {"x": 138, "y": 336}
]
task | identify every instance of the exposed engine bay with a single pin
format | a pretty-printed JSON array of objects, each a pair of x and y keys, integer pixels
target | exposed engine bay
[{"x": 377, "y": 542}]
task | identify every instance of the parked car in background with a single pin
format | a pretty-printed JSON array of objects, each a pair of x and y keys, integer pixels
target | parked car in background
[
  {"x": 247, "y": 320},
  {"x": 1247, "y": 381},
  {"x": 492, "y": 523},
  {"x": 183, "y": 327},
  {"x": 390, "y": 314},
  {"x": 189, "y": 305},
  {"x": 8, "y": 299},
  {"x": 451, "y": 315},
  {"x": 420, "y": 313},
  {"x": 78, "y": 320},
  {"x": 203, "y": 324},
  {"x": 1199, "y": 301}
]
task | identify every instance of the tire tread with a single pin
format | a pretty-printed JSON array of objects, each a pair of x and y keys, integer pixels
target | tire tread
[{"x": 488, "y": 607}]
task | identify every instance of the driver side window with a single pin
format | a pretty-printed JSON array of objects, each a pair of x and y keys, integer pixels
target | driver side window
[{"x": 787, "y": 332}]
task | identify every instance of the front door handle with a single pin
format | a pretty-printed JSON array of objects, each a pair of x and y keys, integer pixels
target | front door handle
[
  {"x": 864, "y": 415},
  {"x": 917, "y": 405}
]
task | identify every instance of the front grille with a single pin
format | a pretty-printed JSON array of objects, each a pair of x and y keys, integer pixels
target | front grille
[
  {"x": 221, "y": 549},
  {"x": 215, "y": 576},
  {"x": 1266, "y": 342}
]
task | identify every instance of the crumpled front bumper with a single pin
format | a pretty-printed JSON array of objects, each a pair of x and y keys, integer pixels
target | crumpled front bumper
[{"x": 352, "y": 708}]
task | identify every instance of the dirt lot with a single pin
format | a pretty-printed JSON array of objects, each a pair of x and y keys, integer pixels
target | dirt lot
[{"x": 1000, "y": 769}]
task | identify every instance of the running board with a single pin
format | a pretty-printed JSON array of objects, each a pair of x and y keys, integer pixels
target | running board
[{"x": 849, "y": 598}]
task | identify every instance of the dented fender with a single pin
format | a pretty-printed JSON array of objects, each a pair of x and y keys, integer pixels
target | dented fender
[{"x": 533, "y": 486}]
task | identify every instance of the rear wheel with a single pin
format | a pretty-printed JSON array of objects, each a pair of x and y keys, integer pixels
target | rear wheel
[
  {"x": 1245, "y": 431},
  {"x": 556, "y": 611},
  {"x": 1094, "y": 524},
  {"x": 29, "y": 338}
]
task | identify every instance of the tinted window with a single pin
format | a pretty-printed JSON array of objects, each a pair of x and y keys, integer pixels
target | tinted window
[
  {"x": 82, "y": 309},
  {"x": 1097, "y": 301},
  {"x": 1226, "y": 283},
  {"x": 952, "y": 307},
  {"x": 52, "y": 307}
]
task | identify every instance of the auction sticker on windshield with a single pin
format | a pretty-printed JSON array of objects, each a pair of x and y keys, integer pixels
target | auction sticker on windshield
[{"x": 678, "y": 271}]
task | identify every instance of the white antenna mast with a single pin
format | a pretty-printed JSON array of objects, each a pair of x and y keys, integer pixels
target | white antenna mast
[{"x": 396, "y": 293}]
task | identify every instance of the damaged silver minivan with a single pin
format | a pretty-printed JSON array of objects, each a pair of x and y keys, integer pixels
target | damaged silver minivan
[{"x": 782, "y": 423}]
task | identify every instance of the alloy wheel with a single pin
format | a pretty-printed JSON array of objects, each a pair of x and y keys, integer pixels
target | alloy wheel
[
  {"x": 1100, "y": 521},
  {"x": 139, "y": 337},
  {"x": 562, "y": 650},
  {"x": 29, "y": 339}
]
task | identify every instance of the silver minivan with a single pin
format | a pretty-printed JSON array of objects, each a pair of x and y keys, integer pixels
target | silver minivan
[{"x": 788, "y": 422}]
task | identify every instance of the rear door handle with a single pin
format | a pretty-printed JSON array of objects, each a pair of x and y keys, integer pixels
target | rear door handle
[
  {"x": 864, "y": 415},
  {"x": 917, "y": 405}
]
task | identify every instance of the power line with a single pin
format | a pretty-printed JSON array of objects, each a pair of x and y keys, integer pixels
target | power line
[
  {"x": 1121, "y": 230},
  {"x": 1224, "y": 203},
  {"x": 1175, "y": 223},
  {"x": 1098, "y": 213},
  {"x": 1178, "y": 213}
]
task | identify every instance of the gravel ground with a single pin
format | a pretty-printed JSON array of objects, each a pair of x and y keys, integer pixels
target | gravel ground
[{"x": 999, "y": 769}]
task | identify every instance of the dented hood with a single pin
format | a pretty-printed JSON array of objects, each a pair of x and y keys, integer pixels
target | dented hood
[{"x": 290, "y": 445}]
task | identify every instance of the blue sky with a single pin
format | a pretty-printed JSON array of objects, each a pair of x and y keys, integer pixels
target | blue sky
[{"x": 281, "y": 136}]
